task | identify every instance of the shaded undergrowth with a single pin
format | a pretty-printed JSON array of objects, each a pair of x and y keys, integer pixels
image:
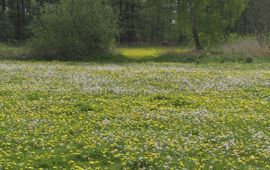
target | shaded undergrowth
[{"x": 135, "y": 55}]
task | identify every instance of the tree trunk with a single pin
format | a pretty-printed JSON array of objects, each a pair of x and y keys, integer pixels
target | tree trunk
[
  {"x": 121, "y": 19},
  {"x": 121, "y": 8},
  {"x": 126, "y": 22},
  {"x": 18, "y": 21},
  {"x": 132, "y": 23},
  {"x": 22, "y": 12},
  {"x": 3, "y": 6},
  {"x": 196, "y": 37}
]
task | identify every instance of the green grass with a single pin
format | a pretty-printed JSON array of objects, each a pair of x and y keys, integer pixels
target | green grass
[
  {"x": 179, "y": 55},
  {"x": 137, "y": 54},
  {"x": 149, "y": 52},
  {"x": 154, "y": 115},
  {"x": 9, "y": 52}
]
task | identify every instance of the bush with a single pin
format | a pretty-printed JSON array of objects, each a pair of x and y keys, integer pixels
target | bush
[{"x": 75, "y": 28}]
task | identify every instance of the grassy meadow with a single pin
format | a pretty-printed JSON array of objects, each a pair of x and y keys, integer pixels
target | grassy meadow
[{"x": 134, "y": 115}]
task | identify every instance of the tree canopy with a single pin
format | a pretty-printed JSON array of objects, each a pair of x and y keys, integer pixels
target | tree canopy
[
  {"x": 148, "y": 21},
  {"x": 69, "y": 28}
]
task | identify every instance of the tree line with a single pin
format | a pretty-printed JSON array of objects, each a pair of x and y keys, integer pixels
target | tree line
[{"x": 153, "y": 21}]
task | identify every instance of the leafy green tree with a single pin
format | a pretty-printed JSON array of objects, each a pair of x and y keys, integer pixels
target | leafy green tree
[
  {"x": 151, "y": 21},
  {"x": 159, "y": 21},
  {"x": 6, "y": 27},
  {"x": 208, "y": 18},
  {"x": 256, "y": 20},
  {"x": 75, "y": 28},
  {"x": 19, "y": 12},
  {"x": 129, "y": 17}
]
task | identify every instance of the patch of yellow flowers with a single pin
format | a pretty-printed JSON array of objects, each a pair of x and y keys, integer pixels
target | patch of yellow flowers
[{"x": 134, "y": 116}]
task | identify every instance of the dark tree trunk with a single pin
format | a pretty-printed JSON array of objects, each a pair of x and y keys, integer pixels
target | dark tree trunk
[
  {"x": 196, "y": 37},
  {"x": 3, "y": 5},
  {"x": 18, "y": 20},
  {"x": 132, "y": 23},
  {"x": 23, "y": 12},
  {"x": 121, "y": 15},
  {"x": 121, "y": 8},
  {"x": 126, "y": 22}
]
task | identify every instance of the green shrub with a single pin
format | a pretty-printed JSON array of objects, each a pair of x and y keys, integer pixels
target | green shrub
[
  {"x": 249, "y": 60},
  {"x": 75, "y": 28}
]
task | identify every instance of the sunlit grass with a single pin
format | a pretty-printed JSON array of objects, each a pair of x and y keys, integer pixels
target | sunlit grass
[
  {"x": 142, "y": 52},
  {"x": 8, "y": 51}
]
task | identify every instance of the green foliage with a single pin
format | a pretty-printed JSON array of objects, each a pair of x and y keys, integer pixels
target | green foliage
[
  {"x": 210, "y": 17},
  {"x": 256, "y": 18},
  {"x": 159, "y": 24},
  {"x": 166, "y": 22},
  {"x": 6, "y": 28},
  {"x": 19, "y": 15},
  {"x": 75, "y": 28}
]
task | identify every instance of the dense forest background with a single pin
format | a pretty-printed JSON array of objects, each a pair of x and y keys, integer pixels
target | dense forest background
[{"x": 167, "y": 22}]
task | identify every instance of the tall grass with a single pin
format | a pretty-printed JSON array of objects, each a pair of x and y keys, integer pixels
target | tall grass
[
  {"x": 246, "y": 49},
  {"x": 247, "y": 46},
  {"x": 9, "y": 52}
]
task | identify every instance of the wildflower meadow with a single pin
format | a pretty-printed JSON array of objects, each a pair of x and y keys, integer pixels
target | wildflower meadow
[{"x": 66, "y": 115}]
